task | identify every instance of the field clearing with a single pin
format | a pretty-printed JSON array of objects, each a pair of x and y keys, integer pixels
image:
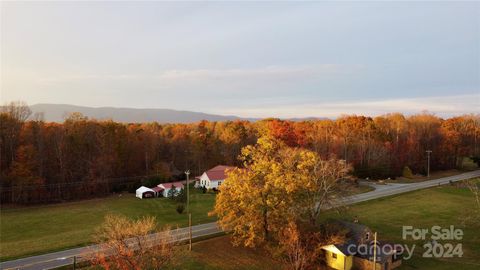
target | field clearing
[
  {"x": 442, "y": 206},
  {"x": 219, "y": 253},
  {"x": 34, "y": 230},
  {"x": 26, "y": 231},
  {"x": 214, "y": 253}
]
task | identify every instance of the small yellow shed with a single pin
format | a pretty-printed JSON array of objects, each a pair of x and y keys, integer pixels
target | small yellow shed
[{"x": 337, "y": 259}]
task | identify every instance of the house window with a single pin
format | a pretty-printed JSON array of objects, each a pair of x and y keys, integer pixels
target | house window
[
  {"x": 219, "y": 183},
  {"x": 334, "y": 255},
  {"x": 367, "y": 236}
]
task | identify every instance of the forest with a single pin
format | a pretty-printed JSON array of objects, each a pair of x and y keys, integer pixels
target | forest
[{"x": 86, "y": 158}]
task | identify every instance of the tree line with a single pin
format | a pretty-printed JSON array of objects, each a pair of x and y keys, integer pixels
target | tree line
[{"x": 84, "y": 158}]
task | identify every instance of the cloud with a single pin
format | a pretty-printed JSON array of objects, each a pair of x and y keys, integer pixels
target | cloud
[
  {"x": 182, "y": 75},
  {"x": 235, "y": 85},
  {"x": 261, "y": 72},
  {"x": 444, "y": 106}
]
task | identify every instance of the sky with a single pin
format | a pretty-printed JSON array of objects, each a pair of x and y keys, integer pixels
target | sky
[{"x": 251, "y": 59}]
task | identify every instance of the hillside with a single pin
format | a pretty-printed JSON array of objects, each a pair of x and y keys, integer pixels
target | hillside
[{"x": 57, "y": 113}]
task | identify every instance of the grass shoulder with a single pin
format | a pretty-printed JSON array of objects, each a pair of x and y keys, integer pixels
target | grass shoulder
[{"x": 36, "y": 230}]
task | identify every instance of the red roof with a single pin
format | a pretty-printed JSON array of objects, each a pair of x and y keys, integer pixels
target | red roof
[
  {"x": 169, "y": 185},
  {"x": 157, "y": 189},
  {"x": 218, "y": 172}
]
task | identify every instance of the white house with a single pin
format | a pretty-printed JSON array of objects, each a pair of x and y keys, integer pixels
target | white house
[
  {"x": 166, "y": 187},
  {"x": 144, "y": 192},
  {"x": 214, "y": 177}
]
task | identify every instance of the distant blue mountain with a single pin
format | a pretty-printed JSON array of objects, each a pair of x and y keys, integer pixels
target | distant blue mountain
[{"x": 58, "y": 112}]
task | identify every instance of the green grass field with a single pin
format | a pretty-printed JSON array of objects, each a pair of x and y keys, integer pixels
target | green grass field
[
  {"x": 443, "y": 206},
  {"x": 27, "y": 231},
  {"x": 219, "y": 254},
  {"x": 36, "y": 230}
]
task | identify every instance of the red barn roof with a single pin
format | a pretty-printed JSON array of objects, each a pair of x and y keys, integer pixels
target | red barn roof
[
  {"x": 218, "y": 172},
  {"x": 169, "y": 185},
  {"x": 157, "y": 189}
]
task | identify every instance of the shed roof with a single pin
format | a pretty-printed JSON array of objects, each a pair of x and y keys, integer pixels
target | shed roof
[
  {"x": 157, "y": 189},
  {"x": 355, "y": 230},
  {"x": 171, "y": 184},
  {"x": 144, "y": 189},
  {"x": 218, "y": 172}
]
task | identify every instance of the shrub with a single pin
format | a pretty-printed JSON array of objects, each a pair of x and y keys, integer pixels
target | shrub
[
  {"x": 407, "y": 172},
  {"x": 180, "y": 208},
  {"x": 181, "y": 196},
  {"x": 172, "y": 193},
  {"x": 476, "y": 160},
  {"x": 126, "y": 244}
]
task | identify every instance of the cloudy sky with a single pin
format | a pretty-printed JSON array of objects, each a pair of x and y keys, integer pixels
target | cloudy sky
[{"x": 282, "y": 59}]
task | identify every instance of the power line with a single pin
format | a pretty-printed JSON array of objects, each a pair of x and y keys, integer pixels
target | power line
[{"x": 116, "y": 180}]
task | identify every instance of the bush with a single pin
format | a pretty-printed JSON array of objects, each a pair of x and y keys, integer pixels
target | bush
[
  {"x": 113, "y": 253},
  {"x": 407, "y": 172},
  {"x": 172, "y": 193},
  {"x": 204, "y": 189},
  {"x": 476, "y": 160},
  {"x": 181, "y": 196},
  {"x": 180, "y": 208}
]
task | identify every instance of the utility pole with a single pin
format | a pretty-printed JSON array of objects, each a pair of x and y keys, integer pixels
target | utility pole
[
  {"x": 428, "y": 162},
  {"x": 375, "y": 251},
  {"x": 187, "y": 172},
  {"x": 190, "y": 231}
]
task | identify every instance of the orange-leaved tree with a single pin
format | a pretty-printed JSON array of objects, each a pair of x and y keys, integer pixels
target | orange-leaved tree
[{"x": 126, "y": 244}]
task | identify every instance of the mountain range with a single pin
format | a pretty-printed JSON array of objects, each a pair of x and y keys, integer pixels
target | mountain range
[{"x": 58, "y": 112}]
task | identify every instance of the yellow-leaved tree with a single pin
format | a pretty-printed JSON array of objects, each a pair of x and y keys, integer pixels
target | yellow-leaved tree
[
  {"x": 278, "y": 185},
  {"x": 250, "y": 204}
]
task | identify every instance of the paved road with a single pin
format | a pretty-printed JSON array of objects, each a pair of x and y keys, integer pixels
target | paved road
[
  {"x": 393, "y": 189},
  {"x": 62, "y": 258}
]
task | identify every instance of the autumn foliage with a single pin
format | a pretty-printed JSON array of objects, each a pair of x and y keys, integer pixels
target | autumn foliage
[
  {"x": 125, "y": 244},
  {"x": 84, "y": 158},
  {"x": 277, "y": 185}
]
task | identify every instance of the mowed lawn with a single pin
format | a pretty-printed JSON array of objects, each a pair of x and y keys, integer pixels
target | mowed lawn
[
  {"x": 442, "y": 206},
  {"x": 36, "y": 230},
  {"x": 219, "y": 254}
]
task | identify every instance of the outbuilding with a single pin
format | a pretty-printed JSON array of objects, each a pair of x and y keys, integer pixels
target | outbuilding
[
  {"x": 144, "y": 192},
  {"x": 357, "y": 252},
  {"x": 158, "y": 191},
  {"x": 166, "y": 187}
]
